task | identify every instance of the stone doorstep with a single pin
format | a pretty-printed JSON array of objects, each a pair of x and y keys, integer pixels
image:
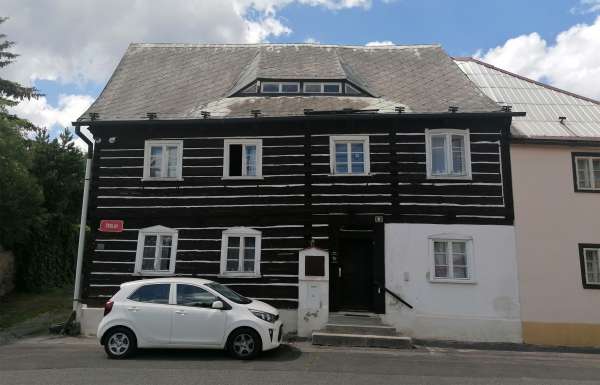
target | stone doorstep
[
  {"x": 361, "y": 340},
  {"x": 380, "y": 330}
]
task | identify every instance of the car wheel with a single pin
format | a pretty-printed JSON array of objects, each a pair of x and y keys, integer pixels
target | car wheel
[
  {"x": 244, "y": 344},
  {"x": 120, "y": 343}
]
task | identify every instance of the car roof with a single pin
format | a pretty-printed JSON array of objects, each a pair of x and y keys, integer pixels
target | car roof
[{"x": 139, "y": 282}]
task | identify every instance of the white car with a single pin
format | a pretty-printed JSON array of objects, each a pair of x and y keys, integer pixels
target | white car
[{"x": 187, "y": 313}]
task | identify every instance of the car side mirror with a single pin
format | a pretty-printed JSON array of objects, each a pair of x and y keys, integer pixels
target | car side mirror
[{"x": 217, "y": 305}]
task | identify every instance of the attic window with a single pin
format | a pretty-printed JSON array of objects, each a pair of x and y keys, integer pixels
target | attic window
[
  {"x": 350, "y": 90},
  {"x": 322, "y": 88},
  {"x": 252, "y": 89},
  {"x": 280, "y": 87}
]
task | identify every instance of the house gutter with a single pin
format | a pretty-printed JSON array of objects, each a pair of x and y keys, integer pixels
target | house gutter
[{"x": 83, "y": 222}]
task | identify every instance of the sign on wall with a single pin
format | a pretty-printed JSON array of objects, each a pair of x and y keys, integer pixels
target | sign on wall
[{"x": 111, "y": 226}]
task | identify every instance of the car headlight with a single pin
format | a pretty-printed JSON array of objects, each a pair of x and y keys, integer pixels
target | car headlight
[{"x": 264, "y": 315}]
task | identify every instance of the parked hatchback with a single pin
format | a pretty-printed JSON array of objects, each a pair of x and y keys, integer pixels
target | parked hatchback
[{"x": 187, "y": 313}]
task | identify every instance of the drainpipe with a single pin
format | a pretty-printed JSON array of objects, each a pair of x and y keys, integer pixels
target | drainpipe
[{"x": 83, "y": 223}]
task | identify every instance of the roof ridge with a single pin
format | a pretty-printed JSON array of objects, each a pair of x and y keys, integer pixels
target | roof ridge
[
  {"x": 474, "y": 60},
  {"x": 257, "y": 45}
]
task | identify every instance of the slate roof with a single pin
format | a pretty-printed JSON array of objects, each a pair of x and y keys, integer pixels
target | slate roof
[
  {"x": 542, "y": 103},
  {"x": 178, "y": 81}
]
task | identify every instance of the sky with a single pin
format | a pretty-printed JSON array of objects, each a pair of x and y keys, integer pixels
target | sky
[{"x": 69, "y": 48}]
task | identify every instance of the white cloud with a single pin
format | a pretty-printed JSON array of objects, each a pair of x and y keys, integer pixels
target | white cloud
[
  {"x": 311, "y": 40},
  {"x": 572, "y": 62},
  {"x": 42, "y": 114},
  {"x": 80, "y": 41},
  {"x": 586, "y": 6},
  {"x": 379, "y": 43}
]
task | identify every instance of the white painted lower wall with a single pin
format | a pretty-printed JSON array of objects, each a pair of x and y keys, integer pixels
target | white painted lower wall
[{"x": 486, "y": 310}]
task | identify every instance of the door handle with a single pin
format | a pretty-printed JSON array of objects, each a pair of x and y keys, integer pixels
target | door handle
[
  {"x": 133, "y": 308},
  {"x": 179, "y": 312}
]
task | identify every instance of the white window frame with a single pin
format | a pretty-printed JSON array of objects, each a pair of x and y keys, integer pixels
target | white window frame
[
  {"x": 585, "y": 269},
  {"x": 279, "y": 87},
  {"x": 448, "y": 133},
  {"x": 156, "y": 231},
  {"x": 468, "y": 240},
  {"x": 590, "y": 162},
  {"x": 163, "y": 143},
  {"x": 364, "y": 139},
  {"x": 241, "y": 232},
  {"x": 244, "y": 143},
  {"x": 322, "y": 87}
]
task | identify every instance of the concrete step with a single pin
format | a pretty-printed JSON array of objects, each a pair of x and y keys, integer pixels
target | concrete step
[
  {"x": 361, "y": 340},
  {"x": 378, "y": 330},
  {"x": 354, "y": 319}
]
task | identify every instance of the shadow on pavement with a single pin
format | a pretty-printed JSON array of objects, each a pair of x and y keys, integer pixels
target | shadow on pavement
[{"x": 283, "y": 353}]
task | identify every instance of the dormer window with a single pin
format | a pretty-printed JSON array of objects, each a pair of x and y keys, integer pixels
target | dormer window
[
  {"x": 280, "y": 87},
  {"x": 301, "y": 87},
  {"x": 322, "y": 88}
]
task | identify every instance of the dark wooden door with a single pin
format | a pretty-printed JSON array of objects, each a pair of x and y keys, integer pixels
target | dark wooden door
[{"x": 356, "y": 274}]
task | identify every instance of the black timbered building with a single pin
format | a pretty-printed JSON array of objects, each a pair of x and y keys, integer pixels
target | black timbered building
[{"x": 224, "y": 161}]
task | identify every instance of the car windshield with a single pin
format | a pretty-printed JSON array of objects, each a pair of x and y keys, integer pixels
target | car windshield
[{"x": 228, "y": 293}]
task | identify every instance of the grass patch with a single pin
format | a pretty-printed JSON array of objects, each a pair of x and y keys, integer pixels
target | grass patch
[{"x": 18, "y": 307}]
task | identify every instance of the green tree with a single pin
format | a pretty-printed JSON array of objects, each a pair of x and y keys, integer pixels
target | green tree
[{"x": 41, "y": 182}]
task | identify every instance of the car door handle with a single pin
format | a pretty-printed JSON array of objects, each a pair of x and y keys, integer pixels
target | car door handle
[
  {"x": 179, "y": 312},
  {"x": 133, "y": 308}
]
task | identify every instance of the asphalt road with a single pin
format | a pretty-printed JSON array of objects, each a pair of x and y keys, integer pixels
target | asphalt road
[{"x": 68, "y": 361}]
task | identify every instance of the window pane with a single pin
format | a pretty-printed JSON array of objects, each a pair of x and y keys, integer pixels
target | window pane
[
  {"x": 341, "y": 158},
  {"x": 441, "y": 271},
  {"x": 596, "y": 172},
  {"x": 592, "y": 266},
  {"x": 459, "y": 247},
  {"x": 341, "y": 168},
  {"x": 155, "y": 293},
  {"x": 233, "y": 254},
  {"x": 312, "y": 88},
  {"x": 172, "y": 160},
  {"x": 235, "y": 160},
  {"x": 460, "y": 272},
  {"x": 249, "y": 266},
  {"x": 351, "y": 90},
  {"x": 250, "y": 160},
  {"x": 232, "y": 265},
  {"x": 583, "y": 173},
  {"x": 357, "y": 148},
  {"x": 331, "y": 88},
  {"x": 438, "y": 154},
  {"x": 155, "y": 161},
  {"x": 458, "y": 155},
  {"x": 290, "y": 88},
  {"x": 165, "y": 252},
  {"x": 189, "y": 295},
  {"x": 270, "y": 87},
  {"x": 148, "y": 264},
  {"x": 358, "y": 168},
  {"x": 357, "y": 158},
  {"x": 165, "y": 264},
  {"x": 439, "y": 247}
]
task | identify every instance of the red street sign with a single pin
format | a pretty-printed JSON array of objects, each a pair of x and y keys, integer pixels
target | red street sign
[{"x": 111, "y": 226}]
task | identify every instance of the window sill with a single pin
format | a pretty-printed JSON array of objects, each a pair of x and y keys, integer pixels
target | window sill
[
  {"x": 239, "y": 275},
  {"x": 450, "y": 177},
  {"x": 242, "y": 177},
  {"x": 459, "y": 281},
  {"x": 152, "y": 273},
  {"x": 349, "y": 175},
  {"x": 162, "y": 179}
]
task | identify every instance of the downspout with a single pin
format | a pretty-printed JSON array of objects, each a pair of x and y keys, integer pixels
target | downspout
[{"x": 83, "y": 222}]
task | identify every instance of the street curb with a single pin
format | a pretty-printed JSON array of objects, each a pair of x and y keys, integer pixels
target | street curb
[{"x": 504, "y": 346}]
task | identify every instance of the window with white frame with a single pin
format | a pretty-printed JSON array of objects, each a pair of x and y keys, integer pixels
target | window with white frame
[
  {"x": 163, "y": 159},
  {"x": 448, "y": 154},
  {"x": 240, "y": 252},
  {"x": 452, "y": 259},
  {"x": 242, "y": 158},
  {"x": 349, "y": 155},
  {"x": 280, "y": 87},
  {"x": 587, "y": 172},
  {"x": 590, "y": 265},
  {"x": 156, "y": 250}
]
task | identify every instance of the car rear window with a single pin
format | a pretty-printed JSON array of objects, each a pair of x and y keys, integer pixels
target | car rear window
[{"x": 154, "y": 293}]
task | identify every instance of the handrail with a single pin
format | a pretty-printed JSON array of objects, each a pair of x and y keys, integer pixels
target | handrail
[{"x": 396, "y": 296}]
